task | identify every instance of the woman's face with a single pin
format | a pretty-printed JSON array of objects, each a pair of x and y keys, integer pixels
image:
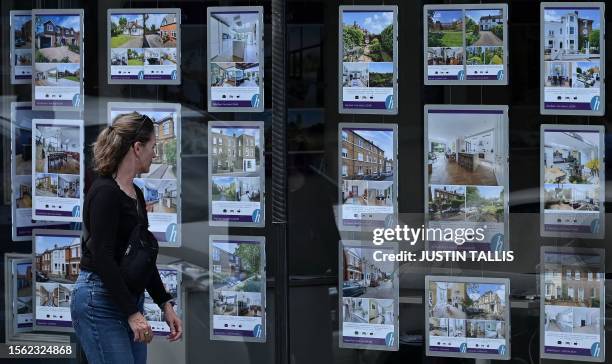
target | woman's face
[{"x": 147, "y": 153}]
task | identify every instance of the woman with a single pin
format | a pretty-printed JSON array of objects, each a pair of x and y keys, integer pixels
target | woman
[{"x": 107, "y": 316}]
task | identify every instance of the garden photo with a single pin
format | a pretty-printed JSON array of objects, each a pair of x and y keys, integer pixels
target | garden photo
[
  {"x": 484, "y": 28},
  {"x": 236, "y": 266},
  {"x": 367, "y": 36},
  {"x": 484, "y": 203},
  {"x": 444, "y": 28},
  {"x": 484, "y": 55},
  {"x": 148, "y": 30}
]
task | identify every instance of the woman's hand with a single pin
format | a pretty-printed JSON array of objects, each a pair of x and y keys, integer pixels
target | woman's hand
[
  {"x": 141, "y": 329},
  {"x": 175, "y": 323}
]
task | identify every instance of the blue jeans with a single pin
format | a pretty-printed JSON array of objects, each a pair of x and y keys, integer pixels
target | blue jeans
[{"x": 101, "y": 329}]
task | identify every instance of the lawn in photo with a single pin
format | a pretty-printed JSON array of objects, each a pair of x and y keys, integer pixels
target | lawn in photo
[
  {"x": 572, "y": 34},
  {"x": 571, "y": 157},
  {"x": 447, "y": 300},
  {"x": 234, "y": 37},
  {"x": 58, "y": 39},
  {"x": 445, "y": 56},
  {"x": 438, "y": 326},
  {"x": 586, "y": 75},
  {"x": 68, "y": 186},
  {"x": 485, "y": 55},
  {"x": 23, "y": 57},
  {"x": 381, "y": 74},
  {"x": 484, "y": 27},
  {"x": 135, "y": 57},
  {"x": 236, "y": 266},
  {"x": 22, "y": 31},
  {"x": 558, "y": 318},
  {"x": 159, "y": 195},
  {"x": 367, "y": 154},
  {"x": 485, "y": 301},
  {"x": 363, "y": 276},
  {"x": 230, "y": 74},
  {"x": 119, "y": 57},
  {"x": 58, "y": 261},
  {"x": 447, "y": 203},
  {"x": 558, "y": 74},
  {"x": 235, "y": 151},
  {"x": 569, "y": 198},
  {"x": 57, "y": 74},
  {"x": 127, "y": 30},
  {"x": 46, "y": 185},
  {"x": 367, "y": 36},
  {"x": 444, "y": 28},
  {"x": 355, "y": 74},
  {"x": 484, "y": 203},
  {"x": 58, "y": 149},
  {"x": 367, "y": 193}
]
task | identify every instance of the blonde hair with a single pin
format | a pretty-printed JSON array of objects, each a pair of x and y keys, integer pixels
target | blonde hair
[{"x": 114, "y": 141}]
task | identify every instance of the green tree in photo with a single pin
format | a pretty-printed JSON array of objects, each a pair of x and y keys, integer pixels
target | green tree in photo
[
  {"x": 170, "y": 153},
  {"x": 594, "y": 39},
  {"x": 250, "y": 255},
  {"x": 386, "y": 40},
  {"x": 498, "y": 30},
  {"x": 122, "y": 23},
  {"x": 471, "y": 31},
  {"x": 353, "y": 39},
  {"x": 376, "y": 50}
]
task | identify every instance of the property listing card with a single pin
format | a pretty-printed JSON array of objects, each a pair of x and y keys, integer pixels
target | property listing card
[
  {"x": 572, "y": 175},
  {"x": 57, "y": 169},
  {"x": 368, "y": 296},
  {"x": 237, "y": 173},
  {"x": 160, "y": 186},
  {"x": 21, "y": 46},
  {"x": 466, "y": 177},
  {"x": 367, "y": 176},
  {"x": 367, "y": 67},
  {"x": 237, "y": 288},
  {"x": 21, "y": 172},
  {"x": 573, "y": 58},
  {"x": 171, "y": 278},
  {"x": 466, "y": 44},
  {"x": 57, "y": 257},
  {"x": 144, "y": 46},
  {"x": 572, "y": 304},
  {"x": 467, "y": 317},
  {"x": 57, "y": 81},
  {"x": 235, "y": 58}
]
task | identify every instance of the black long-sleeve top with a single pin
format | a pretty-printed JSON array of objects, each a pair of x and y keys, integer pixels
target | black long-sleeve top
[{"x": 109, "y": 217}]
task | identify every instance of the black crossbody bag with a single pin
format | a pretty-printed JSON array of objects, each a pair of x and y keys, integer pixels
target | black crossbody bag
[{"x": 140, "y": 257}]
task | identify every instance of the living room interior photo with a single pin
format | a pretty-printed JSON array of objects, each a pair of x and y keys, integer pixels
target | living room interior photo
[{"x": 571, "y": 157}]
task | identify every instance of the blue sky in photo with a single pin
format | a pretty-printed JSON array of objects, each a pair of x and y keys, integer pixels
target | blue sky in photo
[
  {"x": 381, "y": 67},
  {"x": 155, "y": 19},
  {"x": 586, "y": 64},
  {"x": 48, "y": 242},
  {"x": 239, "y": 131},
  {"x": 556, "y": 14},
  {"x": 130, "y": 17},
  {"x": 489, "y": 192},
  {"x": 373, "y": 21},
  {"x": 446, "y": 16},
  {"x": 382, "y": 139},
  {"x": 19, "y": 20},
  {"x": 474, "y": 293},
  {"x": 228, "y": 247},
  {"x": 72, "y": 67},
  {"x": 223, "y": 181},
  {"x": 66, "y": 21},
  {"x": 22, "y": 268},
  {"x": 475, "y": 15}
]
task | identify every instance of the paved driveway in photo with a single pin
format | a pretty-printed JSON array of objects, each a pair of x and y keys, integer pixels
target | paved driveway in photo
[
  {"x": 58, "y": 53},
  {"x": 487, "y": 38}
]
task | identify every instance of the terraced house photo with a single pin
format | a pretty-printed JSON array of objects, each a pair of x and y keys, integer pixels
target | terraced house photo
[
  {"x": 365, "y": 277},
  {"x": 236, "y": 151},
  {"x": 367, "y": 36},
  {"x": 57, "y": 39},
  {"x": 367, "y": 154}
]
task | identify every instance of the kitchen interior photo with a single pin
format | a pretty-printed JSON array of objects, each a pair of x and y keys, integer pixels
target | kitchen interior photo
[
  {"x": 234, "y": 37},
  {"x": 466, "y": 149},
  {"x": 571, "y": 157}
]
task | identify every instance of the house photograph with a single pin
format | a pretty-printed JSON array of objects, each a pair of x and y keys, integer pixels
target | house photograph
[
  {"x": 58, "y": 261},
  {"x": 127, "y": 30},
  {"x": 135, "y": 57},
  {"x": 484, "y": 204},
  {"x": 485, "y": 301},
  {"x": 446, "y": 203},
  {"x": 236, "y": 266},
  {"x": 445, "y": 28},
  {"x": 58, "y": 149},
  {"x": 58, "y": 39},
  {"x": 572, "y": 34},
  {"x": 159, "y": 195},
  {"x": 367, "y": 154},
  {"x": 571, "y": 157},
  {"x": 586, "y": 75},
  {"x": 484, "y": 28},
  {"x": 68, "y": 186},
  {"x": 45, "y": 295},
  {"x": 447, "y": 300},
  {"x": 466, "y": 150},
  {"x": 363, "y": 276},
  {"x": 234, "y": 37},
  {"x": 230, "y": 74},
  {"x": 235, "y": 151},
  {"x": 149, "y": 30},
  {"x": 61, "y": 74},
  {"x": 367, "y": 36},
  {"x": 572, "y": 285},
  {"x": 46, "y": 185},
  {"x": 22, "y": 31}
]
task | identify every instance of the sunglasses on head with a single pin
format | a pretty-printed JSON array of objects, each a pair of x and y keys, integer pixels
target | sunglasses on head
[{"x": 143, "y": 120}]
